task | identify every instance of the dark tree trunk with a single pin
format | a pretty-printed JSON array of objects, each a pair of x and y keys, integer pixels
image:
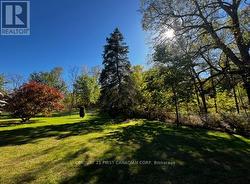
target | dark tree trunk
[
  {"x": 236, "y": 100},
  {"x": 201, "y": 91},
  {"x": 246, "y": 81},
  {"x": 231, "y": 80},
  {"x": 234, "y": 92},
  {"x": 176, "y": 107},
  {"x": 198, "y": 98},
  {"x": 203, "y": 98},
  {"x": 215, "y": 104},
  {"x": 215, "y": 95},
  {"x": 242, "y": 103}
]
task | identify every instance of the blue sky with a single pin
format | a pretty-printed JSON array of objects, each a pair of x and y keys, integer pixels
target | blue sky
[{"x": 70, "y": 33}]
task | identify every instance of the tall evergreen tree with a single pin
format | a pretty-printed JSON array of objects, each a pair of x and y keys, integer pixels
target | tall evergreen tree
[{"x": 117, "y": 86}]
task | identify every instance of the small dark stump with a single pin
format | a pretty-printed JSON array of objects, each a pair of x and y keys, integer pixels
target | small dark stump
[{"x": 82, "y": 112}]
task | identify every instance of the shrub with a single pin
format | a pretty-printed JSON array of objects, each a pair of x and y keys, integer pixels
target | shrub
[{"x": 239, "y": 123}]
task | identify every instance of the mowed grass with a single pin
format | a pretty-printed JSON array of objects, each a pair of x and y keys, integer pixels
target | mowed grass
[{"x": 68, "y": 149}]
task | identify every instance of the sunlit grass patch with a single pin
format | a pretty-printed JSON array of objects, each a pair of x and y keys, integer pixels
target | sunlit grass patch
[{"x": 66, "y": 150}]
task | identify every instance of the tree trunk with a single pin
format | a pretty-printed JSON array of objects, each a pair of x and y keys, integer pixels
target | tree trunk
[
  {"x": 215, "y": 95},
  {"x": 176, "y": 107},
  {"x": 188, "y": 112},
  {"x": 197, "y": 97},
  {"x": 246, "y": 81},
  {"x": 232, "y": 85},
  {"x": 215, "y": 105},
  {"x": 242, "y": 102},
  {"x": 201, "y": 91},
  {"x": 203, "y": 98},
  {"x": 236, "y": 101}
]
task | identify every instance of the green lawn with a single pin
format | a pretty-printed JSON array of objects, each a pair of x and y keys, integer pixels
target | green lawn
[{"x": 69, "y": 150}]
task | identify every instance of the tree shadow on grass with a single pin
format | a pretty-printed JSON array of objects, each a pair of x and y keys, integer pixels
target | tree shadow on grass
[
  {"x": 198, "y": 156},
  {"x": 9, "y": 123},
  {"x": 31, "y": 134},
  {"x": 32, "y": 175}
]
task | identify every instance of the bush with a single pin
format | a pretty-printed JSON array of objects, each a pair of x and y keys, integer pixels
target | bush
[
  {"x": 239, "y": 123},
  {"x": 226, "y": 122},
  {"x": 212, "y": 121}
]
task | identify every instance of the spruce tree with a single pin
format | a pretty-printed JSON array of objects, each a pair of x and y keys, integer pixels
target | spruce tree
[{"x": 117, "y": 87}]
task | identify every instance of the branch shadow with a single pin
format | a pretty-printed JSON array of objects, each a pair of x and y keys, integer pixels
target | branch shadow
[
  {"x": 197, "y": 156},
  {"x": 32, "y": 134},
  {"x": 31, "y": 175},
  {"x": 10, "y": 123}
]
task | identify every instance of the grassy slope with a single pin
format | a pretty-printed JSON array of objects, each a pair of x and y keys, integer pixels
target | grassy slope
[{"x": 63, "y": 149}]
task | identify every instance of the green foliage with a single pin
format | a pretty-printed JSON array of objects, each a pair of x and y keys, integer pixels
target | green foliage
[
  {"x": 87, "y": 90},
  {"x": 172, "y": 78},
  {"x": 203, "y": 36},
  {"x": 153, "y": 97},
  {"x": 138, "y": 79},
  {"x": 118, "y": 93},
  {"x": 225, "y": 102},
  {"x": 155, "y": 93},
  {"x": 52, "y": 79}
]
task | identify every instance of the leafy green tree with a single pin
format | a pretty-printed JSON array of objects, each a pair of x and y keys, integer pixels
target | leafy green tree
[
  {"x": 152, "y": 98},
  {"x": 139, "y": 82},
  {"x": 156, "y": 96},
  {"x": 176, "y": 75},
  {"x": 117, "y": 87},
  {"x": 53, "y": 79},
  {"x": 87, "y": 90},
  {"x": 215, "y": 26}
]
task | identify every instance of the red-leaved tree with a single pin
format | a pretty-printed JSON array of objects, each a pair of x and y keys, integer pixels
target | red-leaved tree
[{"x": 33, "y": 98}]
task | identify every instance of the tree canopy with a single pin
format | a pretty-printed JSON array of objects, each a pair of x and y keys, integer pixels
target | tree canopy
[
  {"x": 33, "y": 98},
  {"x": 53, "y": 78},
  {"x": 212, "y": 30},
  {"x": 87, "y": 90}
]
